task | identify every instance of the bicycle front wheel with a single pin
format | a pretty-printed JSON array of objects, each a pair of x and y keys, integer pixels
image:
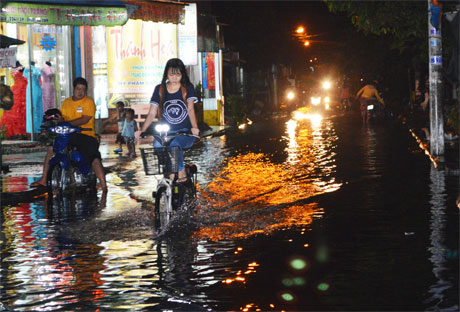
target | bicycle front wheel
[{"x": 163, "y": 209}]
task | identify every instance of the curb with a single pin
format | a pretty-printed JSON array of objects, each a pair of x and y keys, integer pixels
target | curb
[{"x": 25, "y": 147}]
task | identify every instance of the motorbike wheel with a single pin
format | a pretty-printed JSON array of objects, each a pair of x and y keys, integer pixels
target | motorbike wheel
[
  {"x": 55, "y": 180},
  {"x": 162, "y": 211}
]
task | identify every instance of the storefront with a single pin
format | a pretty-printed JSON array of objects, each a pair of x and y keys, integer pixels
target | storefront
[
  {"x": 52, "y": 32},
  {"x": 121, "y": 59},
  {"x": 138, "y": 51}
]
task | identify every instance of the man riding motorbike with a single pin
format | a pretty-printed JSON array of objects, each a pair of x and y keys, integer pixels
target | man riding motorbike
[
  {"x": 365, "y": 96},
  {"x": 79, "y": 111}
]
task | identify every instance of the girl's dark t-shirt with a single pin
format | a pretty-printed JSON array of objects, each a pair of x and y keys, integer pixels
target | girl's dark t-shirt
[{"x": 174, "y": 111}]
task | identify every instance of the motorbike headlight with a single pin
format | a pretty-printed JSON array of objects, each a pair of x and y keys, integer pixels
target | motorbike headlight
[
  {"x": 326, "y": 99},
  {"x": 162, "y": 128},
  {"x": 326, "y": 85},
  {"x": 315, "y": 100},
  {"x": 290, "y": 95},
  {"x": 62, "y": 129}
]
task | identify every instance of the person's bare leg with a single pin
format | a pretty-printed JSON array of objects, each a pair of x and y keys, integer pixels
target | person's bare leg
[
  {"x": 46, "y": 166},
  {"x": 182, "y": 175},
  {"x": 99, "y": 172},
  {"x": 133, "y": 150}
]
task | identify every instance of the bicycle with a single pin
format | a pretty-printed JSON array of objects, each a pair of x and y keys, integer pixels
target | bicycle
[{"x": 170, "y": 195}]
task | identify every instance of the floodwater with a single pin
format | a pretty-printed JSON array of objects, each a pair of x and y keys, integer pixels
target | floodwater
[{"x": 293, "y": 214}]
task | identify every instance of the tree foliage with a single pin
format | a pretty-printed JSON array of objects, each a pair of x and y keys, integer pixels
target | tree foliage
[{"x": 404, "y": 21}]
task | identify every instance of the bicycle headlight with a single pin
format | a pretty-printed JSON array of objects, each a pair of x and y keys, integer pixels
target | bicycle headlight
[{"x": 161, "y": 128}]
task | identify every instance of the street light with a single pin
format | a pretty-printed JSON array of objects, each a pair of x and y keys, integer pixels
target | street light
[{"x": 300, "y": 30}]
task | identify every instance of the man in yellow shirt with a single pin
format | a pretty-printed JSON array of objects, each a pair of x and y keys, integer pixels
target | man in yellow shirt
[{"x": 79, "y": 111}]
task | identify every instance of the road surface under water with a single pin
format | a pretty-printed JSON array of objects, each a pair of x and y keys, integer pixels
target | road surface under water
[{"x": 293, "y": 214}]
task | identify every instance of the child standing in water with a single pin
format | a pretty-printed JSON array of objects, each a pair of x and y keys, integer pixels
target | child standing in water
[
  {"x": 129, "y": 128},
  {"x": 119, "y": 118}
]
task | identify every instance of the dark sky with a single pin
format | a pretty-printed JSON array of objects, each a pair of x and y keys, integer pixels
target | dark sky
[{"x": 262, "y": 30}]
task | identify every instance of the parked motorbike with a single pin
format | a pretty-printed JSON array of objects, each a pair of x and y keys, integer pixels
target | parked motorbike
[{"x": 67, "y": 167}]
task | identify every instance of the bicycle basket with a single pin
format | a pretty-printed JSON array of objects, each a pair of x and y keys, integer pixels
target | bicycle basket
[{"x": 161, "y": 160}]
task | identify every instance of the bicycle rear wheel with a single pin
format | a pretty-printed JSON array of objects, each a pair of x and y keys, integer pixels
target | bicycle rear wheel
[{"x": 163, "y": 209}]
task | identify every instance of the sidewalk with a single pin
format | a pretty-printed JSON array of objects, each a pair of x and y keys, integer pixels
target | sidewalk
[
  {"x": 450, "y": 161},
  {"x": 25, "y": 160}
]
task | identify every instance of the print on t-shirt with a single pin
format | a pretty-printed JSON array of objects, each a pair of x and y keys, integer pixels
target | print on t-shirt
[{"x": 175, "y": 111}]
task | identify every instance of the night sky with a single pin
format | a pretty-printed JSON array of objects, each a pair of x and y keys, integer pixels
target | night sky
[{"x": 262, "y": 30}]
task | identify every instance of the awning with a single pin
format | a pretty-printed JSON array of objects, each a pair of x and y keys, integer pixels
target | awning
[
  {"x": 76, "y": 13},
  {"x": 7, "y": 54},
  {"x": 158, "y": 11},
  {"x": 5, "y": 41}
]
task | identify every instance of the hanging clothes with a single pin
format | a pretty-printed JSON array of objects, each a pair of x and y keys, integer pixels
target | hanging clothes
[
  {"x": 48, "y": 88},
  {"x": 37, "y": 100},
  {"x": 14, "y": 120}
]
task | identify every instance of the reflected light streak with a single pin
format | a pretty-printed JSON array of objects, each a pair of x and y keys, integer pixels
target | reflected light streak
[
  {"x": 314, "y": 118},
  {"x": 292, "y": 148},
  {"x": 252, "y": 195},
  {"x": 239, "y": 278}
]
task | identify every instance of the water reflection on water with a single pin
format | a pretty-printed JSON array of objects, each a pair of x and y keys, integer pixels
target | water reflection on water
[
  {"x": 263, "y": 236},
  {"x": 253, "y": 194},
  {"x": 440, "y": 253}
]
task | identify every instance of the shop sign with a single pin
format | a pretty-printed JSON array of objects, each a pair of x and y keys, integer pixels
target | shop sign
[
  {"x": 187, "y": 38},
  {"x": 158, "y": 12},
  {"x": 136, "y": 55},
  {"x": 8, "y": 57},
  {"x": 28, "y": 13},
  {"x": 209, "y": 77}
]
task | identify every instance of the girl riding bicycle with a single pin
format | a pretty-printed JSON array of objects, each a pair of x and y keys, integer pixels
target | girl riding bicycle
[{"x": 173, "y": 103}]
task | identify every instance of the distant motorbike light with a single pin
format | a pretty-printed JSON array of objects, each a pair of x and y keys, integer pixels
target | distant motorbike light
[
  {"x": 326, "y": 99},
  {"x": 290, "y": 95},
  {"x": 326, "y": 85},
  {"x": 315, "y": 100},
  {"x": 162, "y": 128}
]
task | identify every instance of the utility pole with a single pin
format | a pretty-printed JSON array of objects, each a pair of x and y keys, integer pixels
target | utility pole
[
  {"x": 275, "y": 86},
  {"x": 436, "y": 85},
  {"x": 29, "y": 82}
]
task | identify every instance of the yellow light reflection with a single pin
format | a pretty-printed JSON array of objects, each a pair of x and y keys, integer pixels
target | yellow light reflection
[
  {"x": 253, "y": 195},
  {"x": 239, "y": 278}
]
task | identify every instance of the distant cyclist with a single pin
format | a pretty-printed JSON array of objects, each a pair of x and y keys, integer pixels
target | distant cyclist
[{"x": 365, "y": 95}]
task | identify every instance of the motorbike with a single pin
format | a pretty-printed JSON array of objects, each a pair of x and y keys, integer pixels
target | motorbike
[
  {"x": 67, "y": 167},
  {"x": 375, "y": 111},
  {"x": 289, "y": 100},
  {"x": 319, "y": 102}
]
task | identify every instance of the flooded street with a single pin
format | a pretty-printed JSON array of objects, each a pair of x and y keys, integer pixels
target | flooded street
[{"x": 294, "y": 213}]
